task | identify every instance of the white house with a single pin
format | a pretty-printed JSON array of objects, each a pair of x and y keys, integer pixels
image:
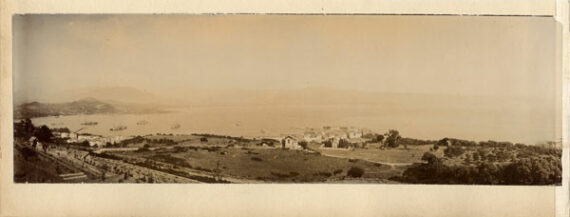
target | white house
[
  {"x": 290, "y": 143},
  {"x": 64, "y": 135},
  {"x": 73, "y": 135},
  {"x": 354, "y": 134},
  {"x": 312, "y": 137}
]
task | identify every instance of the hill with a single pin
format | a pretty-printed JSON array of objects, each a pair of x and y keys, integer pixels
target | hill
[{"x": 83, "y": 106}]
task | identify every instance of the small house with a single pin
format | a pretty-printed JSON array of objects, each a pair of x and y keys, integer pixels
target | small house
[{"x": 290, "y": 143}]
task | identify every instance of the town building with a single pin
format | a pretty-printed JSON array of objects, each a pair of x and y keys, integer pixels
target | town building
[
  {"x": 290, "y": 143},
  {"x": 64, "y": 135},
  {"x": 313, "y": 137},
  {"x": 354, "y": 134}
]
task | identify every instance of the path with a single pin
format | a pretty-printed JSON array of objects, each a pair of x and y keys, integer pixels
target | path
[{"x": 391, "y": 164}]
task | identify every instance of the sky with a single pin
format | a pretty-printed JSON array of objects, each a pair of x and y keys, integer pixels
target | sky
[{"x": 172, "y": 54}]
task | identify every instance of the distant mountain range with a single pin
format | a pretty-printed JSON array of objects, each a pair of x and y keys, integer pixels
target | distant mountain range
[
  {"x": 106, "y": 94},
  {"x": 102, "y": 100},
  {"x": 83, "y": 106}
]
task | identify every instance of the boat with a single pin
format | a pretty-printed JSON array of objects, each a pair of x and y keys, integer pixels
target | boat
[
  {"x": 143, "y": 122},
  {"x": 175, "y": 126},
  {"x": 89, "y": 123},
  {"x": 118, "y": 128}
]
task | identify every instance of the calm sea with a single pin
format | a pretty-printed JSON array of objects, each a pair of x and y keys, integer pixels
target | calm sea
[{"x": 515, "y": 125}]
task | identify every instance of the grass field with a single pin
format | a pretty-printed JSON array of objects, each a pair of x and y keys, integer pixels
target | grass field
[
  {"x": 245, "y": 160},
  {"x": 374, "y": 154},
  {"x": 275, "y": 165}
]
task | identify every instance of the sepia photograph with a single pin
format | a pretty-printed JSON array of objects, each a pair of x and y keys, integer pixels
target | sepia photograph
[{"x": 286, "y": 98}]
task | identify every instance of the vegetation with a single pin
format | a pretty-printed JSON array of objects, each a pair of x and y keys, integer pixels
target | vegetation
[
  {"x": 239, "y": 139},
  {"x": 343, "y": 143},
  {"x": 303, "y": 144},
  {"x": 25, "y": 130},
  {"x": 453, "y": 151},
  {"x": 412, "y": 141},
  {"x": 61, "y": 130},
  {"x": 393, "y": 139},
  {"x": 538, "y": 169},
  {"x": 140, "y": 139},
  {"x": 460, "y": 162},
  {"x": 373, "y": 137},
  {"x": 355, "y": 172}
]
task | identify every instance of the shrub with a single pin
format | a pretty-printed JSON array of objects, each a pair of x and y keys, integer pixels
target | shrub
[
  {"x": 285, "y": 175},
  {"x": 44, "y": 134},
  {"x": 325, "y": 174},
  {"x": 435, "y": 147},
  {"x": 336, "y": 172},
  {"x": 355, "y": 172},
  {"x": 303, "y": 144},
  {"x": 28, "y": 153},
  {"x": 379, "y": 138},
  {"x": 392, "y": 139},
  {"x": 328, "y": 144},
  {"x": 430, "y": 158},
  {"x": 256, "y": 159},
  {"x": 179, "y": 149},
  {"x": 343, "y": 143},
  {"x": 453, "y": 151},
  {"x": 475, "y": 156}
]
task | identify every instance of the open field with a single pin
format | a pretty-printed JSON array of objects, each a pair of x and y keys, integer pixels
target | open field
[
  {"x": 263, "y": 164},
  {"x": 395, "y": 156}
]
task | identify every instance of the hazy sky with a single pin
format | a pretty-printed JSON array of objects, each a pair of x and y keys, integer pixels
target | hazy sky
[{"x": 168, "y": 54}]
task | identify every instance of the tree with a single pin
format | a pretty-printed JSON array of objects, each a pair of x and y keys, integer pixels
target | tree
[
  {"x": 468, "y": 158},
  {"x": 355, "y": 172},
  {"x": 483, "y": 152},
  {"x": 24, "y": 129},
  {"x": 430, "y": 158},
  {"x": 85, "y": 144},
  {"x": 44, "y": 134},
  {"x": 303, "y": 144},
  {"x": 392, "y": 139},
  {"x": 487, "y": 174},
  {"x": 475, "y": 156},
  {"x": 453, "y": 151},
  {"x": 503, "y": 156},
  {"x": 380, "y": 138},
  {"x": 343, "y": 143},
  {"x": 328, "y": 144},
  {"x": 443, "y": 142},
  {"x": 435, "y": 147}
]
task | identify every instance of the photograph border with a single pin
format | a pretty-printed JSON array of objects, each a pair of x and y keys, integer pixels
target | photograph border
[{"x": 279, "y": 199}]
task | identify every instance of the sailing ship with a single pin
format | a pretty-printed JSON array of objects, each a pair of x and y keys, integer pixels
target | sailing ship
[
  {"x": 175, "y": 126},
  {"x": 118, "y": 128},
  {"x": 143, "y": 122},
  {"x": 89, "y": 123}
]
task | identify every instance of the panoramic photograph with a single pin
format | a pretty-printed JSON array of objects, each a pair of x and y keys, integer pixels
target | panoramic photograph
[{"x": 251, "y": 98}]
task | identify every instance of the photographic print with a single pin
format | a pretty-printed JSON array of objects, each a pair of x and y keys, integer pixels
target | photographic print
[{"x": 282, "y": 98}]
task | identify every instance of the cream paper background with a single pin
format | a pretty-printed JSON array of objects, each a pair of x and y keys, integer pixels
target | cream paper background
[{"x": 278, "y": 199}]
